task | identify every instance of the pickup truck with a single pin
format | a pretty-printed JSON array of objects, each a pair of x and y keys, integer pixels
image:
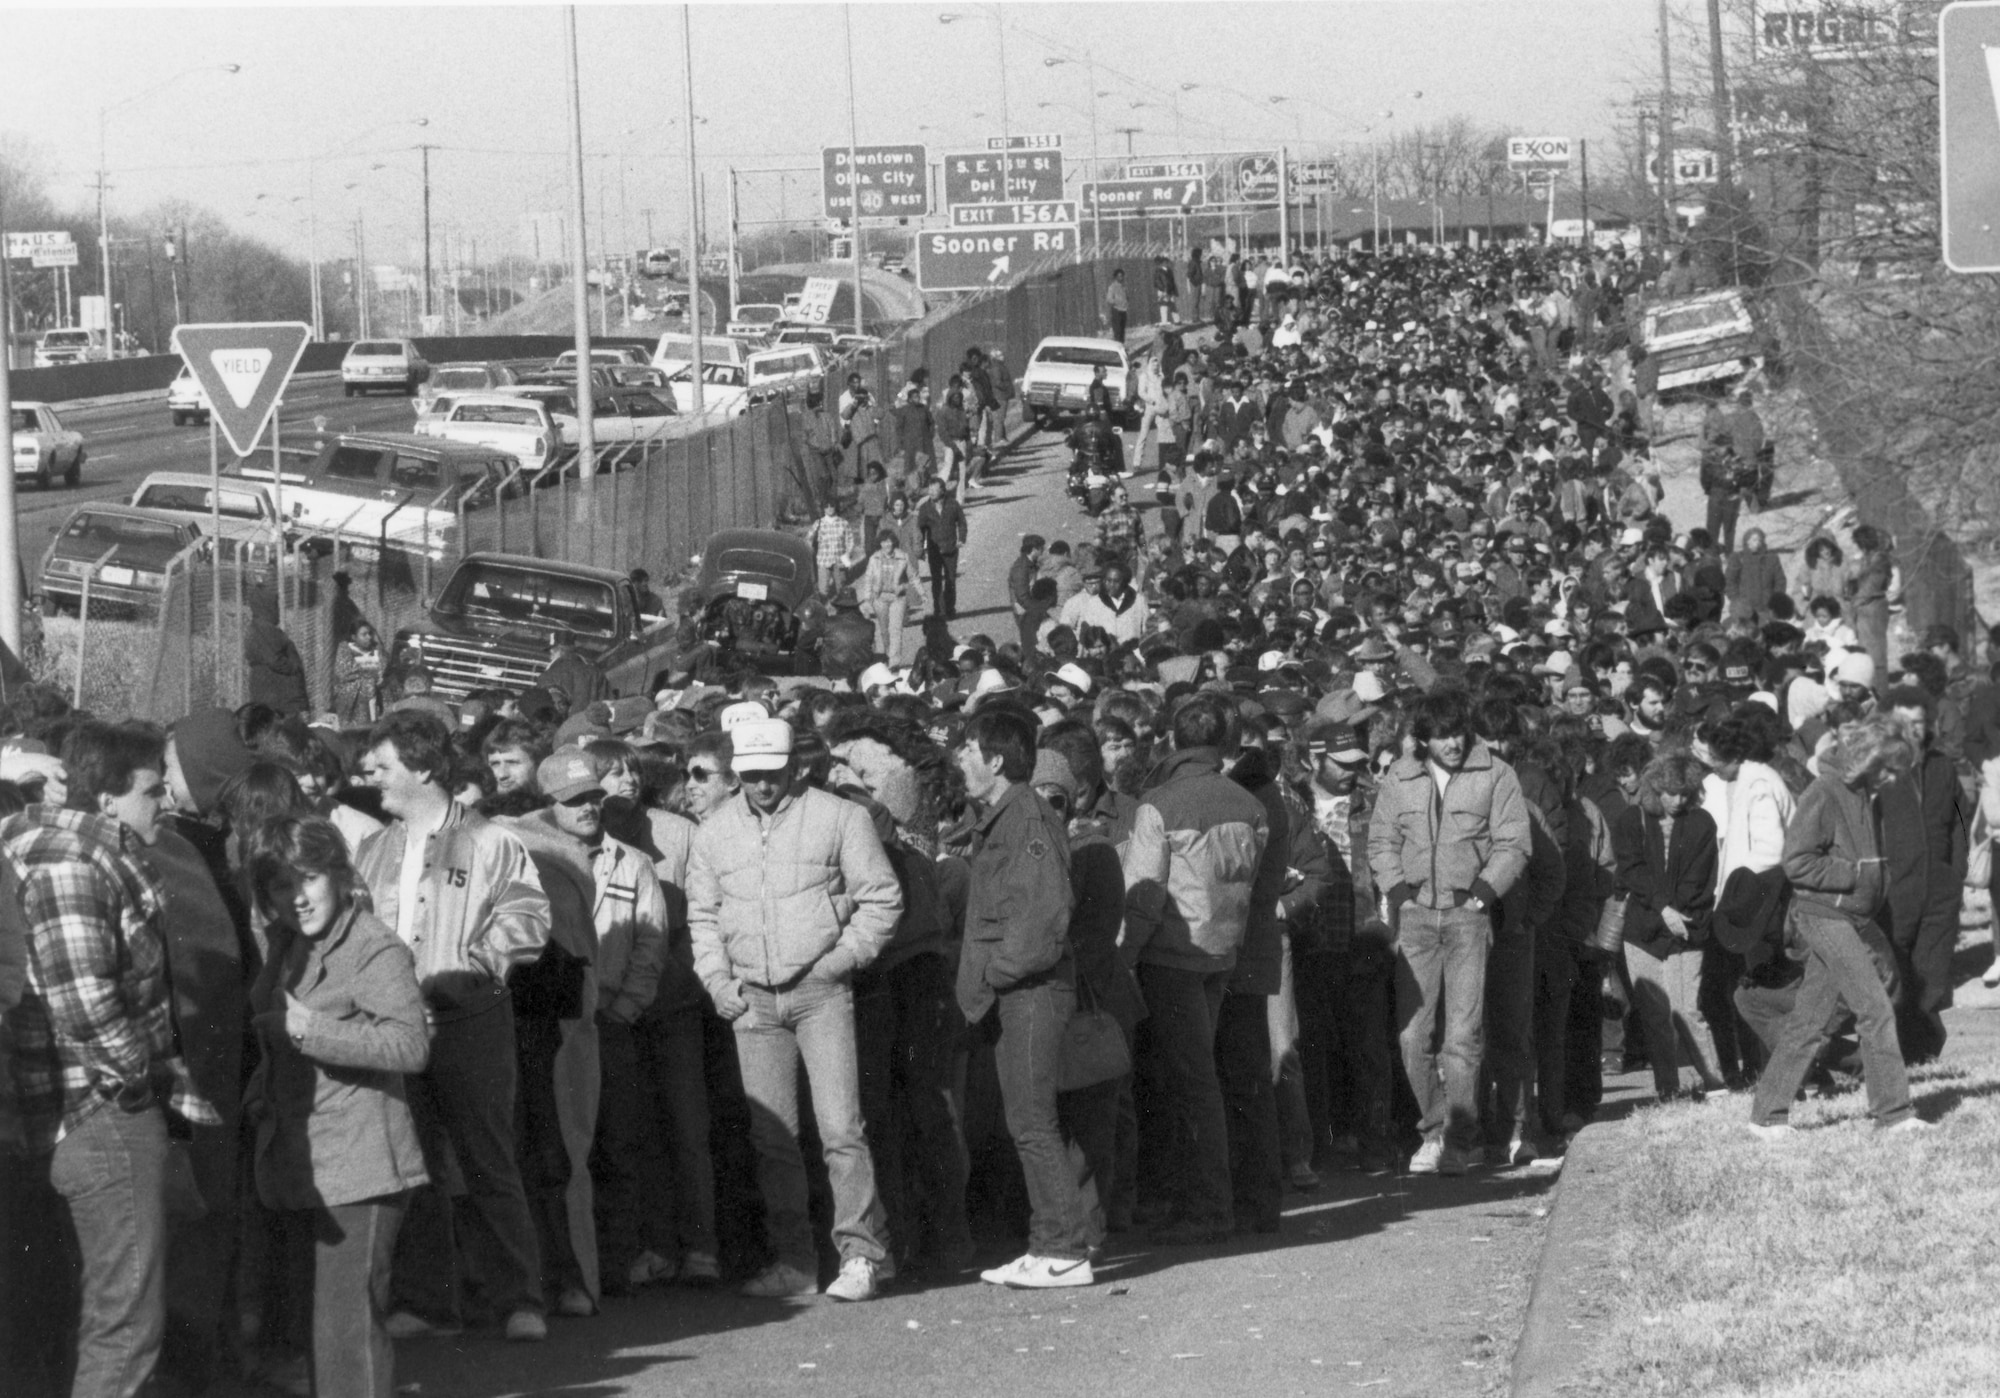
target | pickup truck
[
  {"x": 362, "y": 488},
  {"x": 249, "y": 509},
  {"x": 500, "y": 617},
  {"x": 755, "y": 320},
  {"x": 521, "y": 427},
  {"x": 1709, "y": 338}
]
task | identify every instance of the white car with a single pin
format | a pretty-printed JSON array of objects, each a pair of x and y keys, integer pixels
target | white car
[
  {"x": 249, "y": 508},
  {"x": 676, "y": 351},
  {"x": 755, "y": 320},
  {"x": 58, "y": 347},
  {"x": 454, "y": 379},
  {"x": 518, "y": 427},
  {"x": 1059, "y": 374},
  {"x": 187, "y": 400},
  {"x": 601, "y": 354},
  {"x": 378, "y": 364},
  {"x": 44, "y": 448},
  {"x": 725, "y": 389},
  {"x": 774, "y": 373}
]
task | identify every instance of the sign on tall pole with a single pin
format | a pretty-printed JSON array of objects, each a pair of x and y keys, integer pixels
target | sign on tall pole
[
  {"x": 1969, "y": 134},
  {"x": 885, "y": 181},
  {"x": 243, "y": 367}
]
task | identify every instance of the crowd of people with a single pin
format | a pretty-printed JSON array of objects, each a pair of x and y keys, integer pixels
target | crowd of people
[{"x": 1360, "y": 804}]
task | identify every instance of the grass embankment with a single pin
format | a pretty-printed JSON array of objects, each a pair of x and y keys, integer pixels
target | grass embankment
[
  {"x": 1841, "y": 1262},
  {"x": 119, "y": 660}
]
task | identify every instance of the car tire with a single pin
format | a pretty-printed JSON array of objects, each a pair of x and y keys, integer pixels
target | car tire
[
  {"x": 180, "y": 419},
  {"x": 43, "y": 478},
  {"x": 347, "y": 390},
  {"x": 1042, "y": 421},
  {"x": 73, "y": 477}
]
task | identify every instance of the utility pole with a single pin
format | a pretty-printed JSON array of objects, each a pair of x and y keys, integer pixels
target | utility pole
[
  {"x": 649, "y": 228},
  {"x": 1583, "y": 163},
  {"x": 586, "y": 435},
  {"x": 1666, "y": 122},
  {"x": 690, "y": 260},
  {"x": 853, "y": 169},
  {"x": 1718, "y": 75},
  {"x": 735, "y": 271},
  {"x": 427, "y": 225},
  {"x": 1128, "y": 132},
  {"x": 10, "y": 533},
  {"x": 361, "y": 328}
]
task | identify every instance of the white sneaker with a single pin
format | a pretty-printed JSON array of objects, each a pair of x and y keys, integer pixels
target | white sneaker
[
  {"x": 1046, "y": 1273},
  {"x": 1908, "y": 1125},
  {"x": 778, "y": 1282},
  {"x": 856, "y": 1281},
  {"x": 1773, "y": 1132},
  {"x": 1425, "y": 1161},
  {"x": 648, "y": 1268},
  {"x": 527, "y": 1326},
  {"x": 407, "y": 1325},
  {"x": 1004, "y": 1275}
]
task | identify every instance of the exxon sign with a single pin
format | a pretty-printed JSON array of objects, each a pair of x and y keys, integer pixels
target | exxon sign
[{"x": 1538, "y": 152}]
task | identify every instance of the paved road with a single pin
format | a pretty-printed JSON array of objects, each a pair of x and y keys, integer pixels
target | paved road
[{"x": 128, "y": 441}]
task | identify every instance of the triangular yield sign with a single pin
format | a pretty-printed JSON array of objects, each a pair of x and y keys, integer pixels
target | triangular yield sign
[{"x": 244, "y": 368}]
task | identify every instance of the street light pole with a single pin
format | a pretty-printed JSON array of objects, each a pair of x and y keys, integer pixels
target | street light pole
[
  {"x": 586, "y": 443},
  {"x": 691, "y": 260},
  {"x": 425, "y": 148},
  {"x": 854, "y": 170},
  {"x": 11, "y": 571}
]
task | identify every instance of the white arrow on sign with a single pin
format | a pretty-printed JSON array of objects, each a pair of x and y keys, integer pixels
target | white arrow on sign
[
  {"x": 242, "y": 371},
  {"x": 1993, "y": 73},
  {"x": 1000, "y": 267}
]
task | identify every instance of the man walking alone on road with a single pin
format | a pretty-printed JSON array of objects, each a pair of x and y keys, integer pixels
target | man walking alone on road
[{"x": 941, "y": 523}]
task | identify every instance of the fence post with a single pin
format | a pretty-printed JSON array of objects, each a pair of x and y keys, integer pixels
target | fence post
[{"x": 646, "y": 502}]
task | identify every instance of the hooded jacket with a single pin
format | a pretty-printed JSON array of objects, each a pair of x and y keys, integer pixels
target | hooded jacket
[
  {"x": 1190, "y": 866},
  {"x": 277, "y": 670},
  {"x": 210, "y": 754}
]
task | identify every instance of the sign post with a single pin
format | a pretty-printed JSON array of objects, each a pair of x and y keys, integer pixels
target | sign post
[
  {"x": 243, "y": 368},
  {"x": 1969, "y": 134}
]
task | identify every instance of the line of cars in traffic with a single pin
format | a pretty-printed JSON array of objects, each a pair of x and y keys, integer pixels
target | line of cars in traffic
[{"x": 482, "y": 430}]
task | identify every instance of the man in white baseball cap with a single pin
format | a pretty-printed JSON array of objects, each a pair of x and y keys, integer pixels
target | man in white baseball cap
[{"x": 789, "y": 894}]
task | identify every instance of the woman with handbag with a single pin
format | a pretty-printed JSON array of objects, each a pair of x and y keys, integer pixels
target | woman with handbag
[
  {"x": 338, "y": 1013},
  {"x": 885, "y": 592},
  {"x": 1667, "y": 851}
]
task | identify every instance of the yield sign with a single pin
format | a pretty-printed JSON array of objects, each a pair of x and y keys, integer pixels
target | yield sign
[{"x": 244, "y": 369}]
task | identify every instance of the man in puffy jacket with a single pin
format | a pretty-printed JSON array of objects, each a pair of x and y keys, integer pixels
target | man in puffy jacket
[
  {"x": 1448, "y": 839},
  {"x": 789, "y": 894},
  {"x": 1190, "y": 865}
]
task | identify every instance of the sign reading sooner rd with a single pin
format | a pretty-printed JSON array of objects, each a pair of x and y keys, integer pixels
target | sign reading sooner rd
[{"x": 954, "y": 259}]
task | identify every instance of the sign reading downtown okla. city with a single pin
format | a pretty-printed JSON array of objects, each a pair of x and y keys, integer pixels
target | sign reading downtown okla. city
[{"x": 891, "y": 181}]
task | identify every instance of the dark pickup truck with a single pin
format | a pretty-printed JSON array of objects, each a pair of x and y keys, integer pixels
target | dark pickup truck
[{"x": 500, "y": 618}]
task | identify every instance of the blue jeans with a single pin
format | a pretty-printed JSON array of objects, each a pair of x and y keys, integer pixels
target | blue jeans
[
  {"x": 1182, "y": 1125},
  {"x": 1027, "y": 1057},
  {"x": 1846, "y": 965},
  {"x": 110, "y": 1173},
  {"x": 813, "y": 1020},
  {"x": 353, "y": 1246},
  {"x": 1441, "y": 978}
]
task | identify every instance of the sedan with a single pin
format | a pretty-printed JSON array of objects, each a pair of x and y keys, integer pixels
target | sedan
[
  {"x": 124, "y": 552},
  {"x": 44, "y": 448}
]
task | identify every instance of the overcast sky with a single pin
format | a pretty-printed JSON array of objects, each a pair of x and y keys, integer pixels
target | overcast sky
[{"x": 346, "y": 83}]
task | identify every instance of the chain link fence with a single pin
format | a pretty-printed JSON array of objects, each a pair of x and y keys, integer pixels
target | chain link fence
[{"x": 651, "y": 505}]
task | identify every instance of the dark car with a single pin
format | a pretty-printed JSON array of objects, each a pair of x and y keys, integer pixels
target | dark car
[
  {"x": 500, "y": 618},
  {"x": 751, "y": 599},
  {"x": 129, "y": 549}
]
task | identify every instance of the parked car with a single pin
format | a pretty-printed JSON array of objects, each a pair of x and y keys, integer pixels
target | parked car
[
  {"x": 643, "y": 376},
  {"x": 481, "y": 377},
  {"x": 776, "y": 373},
  {"x": 1059, "y": 374},
  {"x": 377, "y": 364},
  {"x": 618, "y": 417},
  {"x": 823, "y": 336},
  {"x": 521, "y": 427},
  {"x": 1709, "y": 338},
  {"x": 187, "y": 400},
  {"x": 44, "y": 448},
  {"x": 606, "y": 355},
  {"x": 128, "y": 549},
  {"x": 249, "y": 509},
  {"x": 750, "y": 600},
  {"x": 725, "y": 389},
  {"x": 499, "y": 618}
]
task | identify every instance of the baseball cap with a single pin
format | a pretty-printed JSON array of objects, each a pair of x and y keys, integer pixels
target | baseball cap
[
  {"x": 741, "y": 712},
  {"x": 1075, "y": 676},
  {"x": 877, "y": 676},
  {"x": 1368, "y": 688},
  {"x": 1340, "y": 741},
  {"x": 1632, "y": 537},
  {"x": 566, "y": 774},
  {"x": 760, "y": 744}
]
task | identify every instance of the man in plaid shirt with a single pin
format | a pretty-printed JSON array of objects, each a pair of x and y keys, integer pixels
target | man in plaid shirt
[{"x": 98, "y": 1079}]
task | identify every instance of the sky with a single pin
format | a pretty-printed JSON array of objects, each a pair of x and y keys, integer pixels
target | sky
[{"x": 321, "y": 120}]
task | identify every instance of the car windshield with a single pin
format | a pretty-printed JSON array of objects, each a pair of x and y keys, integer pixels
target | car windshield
[
  {"x": 66, "y": 339},
  {"x": 417, "y": 472},
  {"x": 517, "y": 595},
  {"x": 354, "y": 463},
  {"x": 760, "y": 315},
  {"x": 102, "y": 531},
  {"x": 458, "y": 378},
  {"x": 193, "y": 499},
  {"x": 496, "y": 412},
  {"x": 26, "y": 420},
  {"x": 1683, "y": 320},
  {"x": 646, "y": 405},
  {"x": 1078, "y": 354},
  {"x": 377, "y": 348},
  {"x": 727, "y": 375},
  {"x": 758, "y": 563}
]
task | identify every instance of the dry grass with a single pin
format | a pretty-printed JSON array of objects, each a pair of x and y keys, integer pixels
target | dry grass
[
  {"x": 1841, "y": 1262},
  {"x": 118, "y": 666}
]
